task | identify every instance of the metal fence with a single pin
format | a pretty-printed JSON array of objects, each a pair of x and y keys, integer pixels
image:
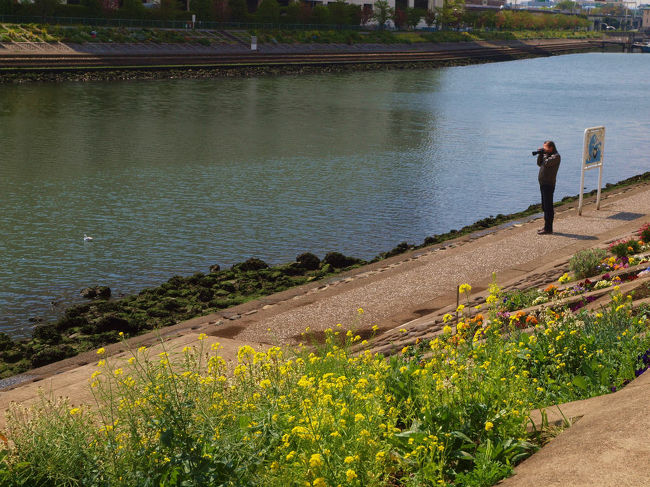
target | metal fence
[{"x": 172, "y": 24}]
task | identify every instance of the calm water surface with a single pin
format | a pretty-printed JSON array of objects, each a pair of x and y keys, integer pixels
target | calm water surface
[{"x": 170, "y": 177}]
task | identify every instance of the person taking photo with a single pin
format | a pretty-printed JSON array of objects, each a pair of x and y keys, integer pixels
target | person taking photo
[{"x": 548, "y": 160}]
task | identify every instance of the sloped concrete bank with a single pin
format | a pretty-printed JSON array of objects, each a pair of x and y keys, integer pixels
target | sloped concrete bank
[{"x": 131, "y": 61}]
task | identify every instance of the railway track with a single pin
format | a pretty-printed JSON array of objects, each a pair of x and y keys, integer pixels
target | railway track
[{"x": 81, "y": 61}]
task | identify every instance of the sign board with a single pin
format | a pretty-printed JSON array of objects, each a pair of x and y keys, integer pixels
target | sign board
[
  {"x": 253, "y": 43},
  {"x": 593, "y": 151}
]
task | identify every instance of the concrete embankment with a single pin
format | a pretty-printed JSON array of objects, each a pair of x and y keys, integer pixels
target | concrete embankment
[{"x": 30, "y": 61}]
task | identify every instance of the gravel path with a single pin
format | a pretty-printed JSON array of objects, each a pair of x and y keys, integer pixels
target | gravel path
[{"x": 415, "y": 282}]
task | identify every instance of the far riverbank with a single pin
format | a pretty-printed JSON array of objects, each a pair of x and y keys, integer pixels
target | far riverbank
[{"x": 111, "y": 62}]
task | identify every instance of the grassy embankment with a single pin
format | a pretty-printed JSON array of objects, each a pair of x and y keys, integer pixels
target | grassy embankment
[
  {"x": 83, "y": 34},
  {"x": 99, "y": 322},
  {"x": 452, "y": 410}
]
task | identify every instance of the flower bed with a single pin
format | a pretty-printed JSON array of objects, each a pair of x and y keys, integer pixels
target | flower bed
[{"x": 453, "y": 410}]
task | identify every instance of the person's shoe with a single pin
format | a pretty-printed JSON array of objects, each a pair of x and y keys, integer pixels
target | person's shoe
[{"x": 544, "y": 232}]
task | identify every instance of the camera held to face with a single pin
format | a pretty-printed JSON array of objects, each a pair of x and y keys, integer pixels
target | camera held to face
[{"x": 537, "y": 152}]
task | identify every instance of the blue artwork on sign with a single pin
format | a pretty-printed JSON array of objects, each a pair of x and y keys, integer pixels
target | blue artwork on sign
[{"x": 594, "y": 150}]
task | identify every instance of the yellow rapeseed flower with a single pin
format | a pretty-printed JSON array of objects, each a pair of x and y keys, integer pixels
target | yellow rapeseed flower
[
  {"x": 350, "y": 475},
  {"x": 316, "y": 460},
  {"x": 348, "y": 459},
  {"x": 360, "y": 311},
  {"x": 101, "y": 351},
  {"x": 488, "y": 425},
  {"x": 74, "y": 411},
  {"x": 464, "y": 288},
  {"x": 202, "y": 336}
]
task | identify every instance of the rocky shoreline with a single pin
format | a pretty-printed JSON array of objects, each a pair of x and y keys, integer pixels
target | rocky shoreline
[
  {"x": 145, "y": 74},
  {"x": 102, "y": 320}
]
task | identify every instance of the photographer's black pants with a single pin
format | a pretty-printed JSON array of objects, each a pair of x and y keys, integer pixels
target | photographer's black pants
[{"x": 547, "y": 205}]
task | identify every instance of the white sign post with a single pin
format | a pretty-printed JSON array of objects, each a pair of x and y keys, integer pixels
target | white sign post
[
  {"x": 253, "y": 43},
  {"x": 592, "y": 157}
]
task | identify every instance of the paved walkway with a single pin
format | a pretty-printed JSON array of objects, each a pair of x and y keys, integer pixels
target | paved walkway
[{"x": 393, "y": 292}]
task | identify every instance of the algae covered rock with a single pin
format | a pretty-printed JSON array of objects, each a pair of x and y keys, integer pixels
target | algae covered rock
[
  {"x": 308, "y": 261},
  {"x": 339, "y": 261},
  {"x": 96, "y": 292},
  {"x": 399, "y": 249},
  {"x": 47, "y": 333},
  {"x": 51, "y": 354},
  {"x": 252, "y": 264}
]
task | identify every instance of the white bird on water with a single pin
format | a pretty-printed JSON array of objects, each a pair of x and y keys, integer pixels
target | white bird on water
[{"x": 87, "y": 238}]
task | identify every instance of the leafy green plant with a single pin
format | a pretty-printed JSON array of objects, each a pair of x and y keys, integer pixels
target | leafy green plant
[
  {"x": 623, "y": 248},
  {"x": 493, "y": 462},
  {"x": 586, "y": 263},
  {"x": 519, "y": 299}
]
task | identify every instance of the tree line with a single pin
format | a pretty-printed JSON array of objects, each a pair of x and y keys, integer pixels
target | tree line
[{"x": 452, "y": 15}]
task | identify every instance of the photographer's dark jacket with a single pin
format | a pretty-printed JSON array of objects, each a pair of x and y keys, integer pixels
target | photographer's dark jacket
[{"x": 548, "y": 166}]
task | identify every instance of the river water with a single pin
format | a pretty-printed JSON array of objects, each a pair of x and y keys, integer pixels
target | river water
[{"x": 172, "y": 176}]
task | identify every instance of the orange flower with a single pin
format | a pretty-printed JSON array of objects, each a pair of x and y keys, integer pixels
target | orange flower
[
  {"x": 531, "y": 320},
  {"x": 551, "y": 289}
]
